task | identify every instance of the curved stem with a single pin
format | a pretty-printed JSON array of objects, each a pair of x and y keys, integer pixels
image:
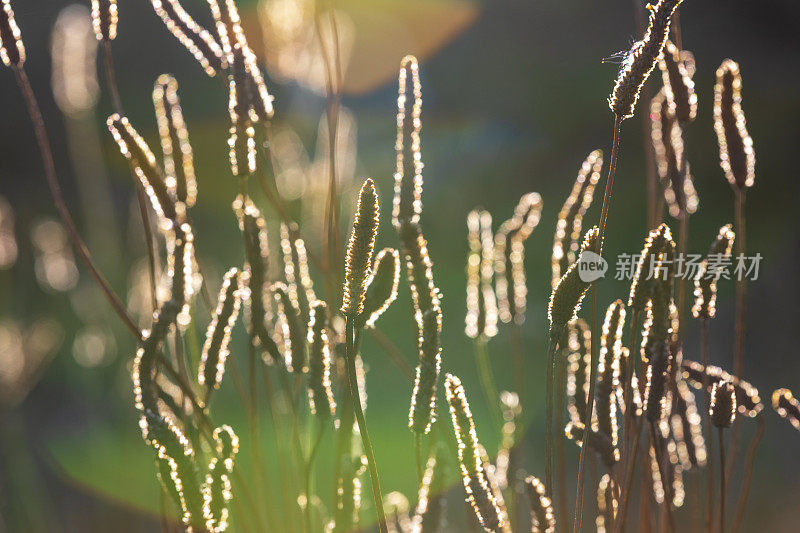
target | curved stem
[
  {"x": 487, "y": 381},
  {"x": 55, "y": 189},
  {"x": 748, "y": 474},
  {"x": 350, "y": 358},
  {"x": 612, "y": 166}
]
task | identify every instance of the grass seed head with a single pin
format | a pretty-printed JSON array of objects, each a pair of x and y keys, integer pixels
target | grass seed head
[
  {"x": 12, "y": 50},
  {"x": 650, "y": 267},
  {"x": 543, "y": 517},
  {"x": 659, "y": 371},
  {"x": 748, "y": 401},
  {"x": 320, "y": 395},
  {"x": 608, "y": 370},
  {"x": 178, "y": 157},
  {"x": 787, "y": 406},
  {"x": 607, "y": 504},
  {"x": 295, "y": 268},
  {"x": 381, "y": 285},
  {"x": 218, "y": 337},
  {"x": 217, "y": 489},
  {"x": 687, "y": 428},
  {"x": 678, "y": 84},
  {"x": 579, "y": 353},
  {"x": 104, "y": 19},
  {"x": 408, "y": 174},
  {"x": 641, "y": 59},
  {"x": 295, "y": 332},
  {"x": 481, "y": 318},
  {"x": 360, "y": 249},
  {"x": 567, "y": 295},
  {"x": 736, "y": 154},
  {"x": 705, "y": 282},
  {"x": 422, "y": 413},
  {"x": 598, "y": 442},
  {"x": 722, "y": 408}
]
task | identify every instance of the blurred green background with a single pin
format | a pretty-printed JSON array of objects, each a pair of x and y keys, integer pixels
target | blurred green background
[{"x": 514, "y": 99}]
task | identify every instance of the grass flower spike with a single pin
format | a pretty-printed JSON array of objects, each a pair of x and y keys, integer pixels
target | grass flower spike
[
  {"x": 381, "y": 285},
  {"x": 736, "y": 154},
  {"x": 104, "y": 19},
  {"x": 12, "y": 50},
  {"x": 360, "y": 249}
]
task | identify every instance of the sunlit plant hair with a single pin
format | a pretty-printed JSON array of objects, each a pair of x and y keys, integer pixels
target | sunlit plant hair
[
  {"x": 567, "y": 295},
  {"x": 320, "y": 395},
  {"x": 669, "y": 151},
  {"x": 659, "y": 370},
  {"x": 178, "y": 157},
  {"x": 429, "y": 513},
  {"x": 481, "y": 319},
  {"x": 748, "y": 401},
  {"x": 381, "y": 285},
  {"x": 218, "y": 337},
  {"x": 295, "y": 332},
  {"x": 509, "y": 258},
  {"x": 360, "y": 248},
  {"x": 476, "y": 485},
  {"x": 295, "y": 268},
  {"x": 104, "y": 19},
  {"x": 787, "y": 406},
  {"x": 607, "y": 504},
  {"x": 578, "y": 349},
  {"x": 408, "y": 174},
  {"x": 12, "y": 50},
  {"x": 200, "y": 42},
  {"x": 543, "y": 518},
  {"x": 705, "y": 282},
  {"x": 422, "y": 412},
  {"x": 736, "y": 153},
  {"x": 678, "y": 84},
  {"x": 217, "y": 489},
  {"x": 658, "y": 242},
  {"x": 687, "y": 429},
  {"x": 608, "y": 370},
  {"x": 641, "y": 59},
  {"x": 567, "y": 236},
  {"x": 598, "y": 442},
  {"x": 723, "y": 404}
]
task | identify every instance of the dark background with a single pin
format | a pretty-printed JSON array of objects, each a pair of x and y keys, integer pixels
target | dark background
[{"x": 513, "y": 103}]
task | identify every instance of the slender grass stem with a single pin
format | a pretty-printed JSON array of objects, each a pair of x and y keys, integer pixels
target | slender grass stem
[
  {"x": 518, "y": 362},
  {"x": 552, "y": 346},
  {"x": 629, "y": 470},
  {"x": 560, "y": 458},
  {"x": 350, "y": 359},
  {"x": 487, "y": 381},
  {"x": 721, "y": 436},
  {"x": 666, "y": 483},
  {"x": 78, "y": 244},
  {"x": 418, "y": 456},
  {"x": 627, "y": 397},
  {"x": 309, "y": 473},
  {"x": 707, "y": 423},
  {"x": 739, "y": 326},
  {"x": 748, "y": 474}
]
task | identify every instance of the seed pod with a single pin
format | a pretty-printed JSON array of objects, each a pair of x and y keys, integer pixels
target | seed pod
[
  {"x": 566, "y": 298},
  {"x": 419, "y": 270},
  {"x": 144, "y": 165},
  {"x": 687, "y": 429},
  {"x": 407, "y": 178},
  {"x": 570, "y": 219},
  {"x": 736, "y": 154},
  {"x": 608, "y": 370},
  {"x": 295, "y": 267},
  {"x": 104, "y": 19},
  {"x": 422, "y": 413},
  {"x": 641, "y": 59},
  {"x": 579, "y": 355},
  {"x": 360, "y": 249},
  {"x": 656, "y": 399},
  {"x": 600, "y": 443},
  {"x": 218, "y": 337},
  {"x": 678, "y": 84},
  {"x": 320, "y": 395},
  {"x": 607, "y": 504},
  {"x": 381, "y": 286},
  {"x": 747, "y": 399},
  {"x": 429, "y": 514},
  {"x": 543, "y": 518},
  {"x": 786, "y": 405},
  {"x": 705, "y": 282},
  {"x": 254, "y": 228},
  {"x": 481, "y": 319},
  {"x": 12, "y": 50},
  {"x": 199, "y": 41},
  {"x": 673, "y": 169},
  {"x": 509, "y": 258},
  {"x": 650, "y": 266},
  {"x": 217, "y": 490},
  {"x": 723, "y": 404},
  {"x": 178, "y": 158},
  {"x": 295, "y": 332},
  {"x": 476, "y": 485}
]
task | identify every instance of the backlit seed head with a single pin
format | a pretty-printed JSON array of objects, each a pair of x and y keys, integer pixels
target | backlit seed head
[
  {"x": 543, "y": 518},
  {"x": 360, "y": 249},
  {"x": 641, "y": 59},
  {"x": 608, "y": 370},
  {"x": 566, "y": 241},
  {"x": 104, "y": 19},
  {"x": 408, "y": 171},
  {"x": 419, "y": 270},
  {"x": 12, "y": 51},
  {"x": 659, "y": 370},
  {"x": 678, "y": 84},
  {"x": 578, "y": 348},
  {"x": 294, "y": 331},
  {"x": 673, "y": 169},
  {"x": 748, "y": 401},
  {"x": 178, "y": 157},
  {"x": 295, "y": 268},
  {"x": 736, "y": 154},
  {"x": 567, "y": 295},
  {"x": 182, "y": 270},
  {"x": 481, "y": 319},
  {"x": 598, "y": 442},
  {"x": 320, "y": 395},
  {"x": 710, "y": 270},
  {"x": 381, "y": 285},
  {"x": 476, "y": 485},
  {"x": 651, "y": 266},
  {"x": 687, "y": 428},
  {"x": 723, "y": 404},
  {"x": 786, "y": 405},
  {"x": 673, "y": 469},
  {"x": 242, "y": 149},
  {"x": 428, "y": 515},
  {"x": 216, "y": 348},
  {"x": 200, "y": 42},
  {"x": 607, "y": 504},
  {"x": 422, "y": 413},
  {"x": 217, "y": 489}
]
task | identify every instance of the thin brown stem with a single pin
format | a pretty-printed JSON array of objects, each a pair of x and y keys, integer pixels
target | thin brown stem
[
  {"x": 707, "y": 423},
  {"x": 666, "y": 482},
  {"x": 748, "y": 473},
  {"x": 55, "y": 189},
  {"x": 561, "y": 462},
  {"x": 610, "y": 180},
  {"x": 552, "y": 346},
  {"x": 740, "y": 324},
  {"x": 721, "y": 436}
]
